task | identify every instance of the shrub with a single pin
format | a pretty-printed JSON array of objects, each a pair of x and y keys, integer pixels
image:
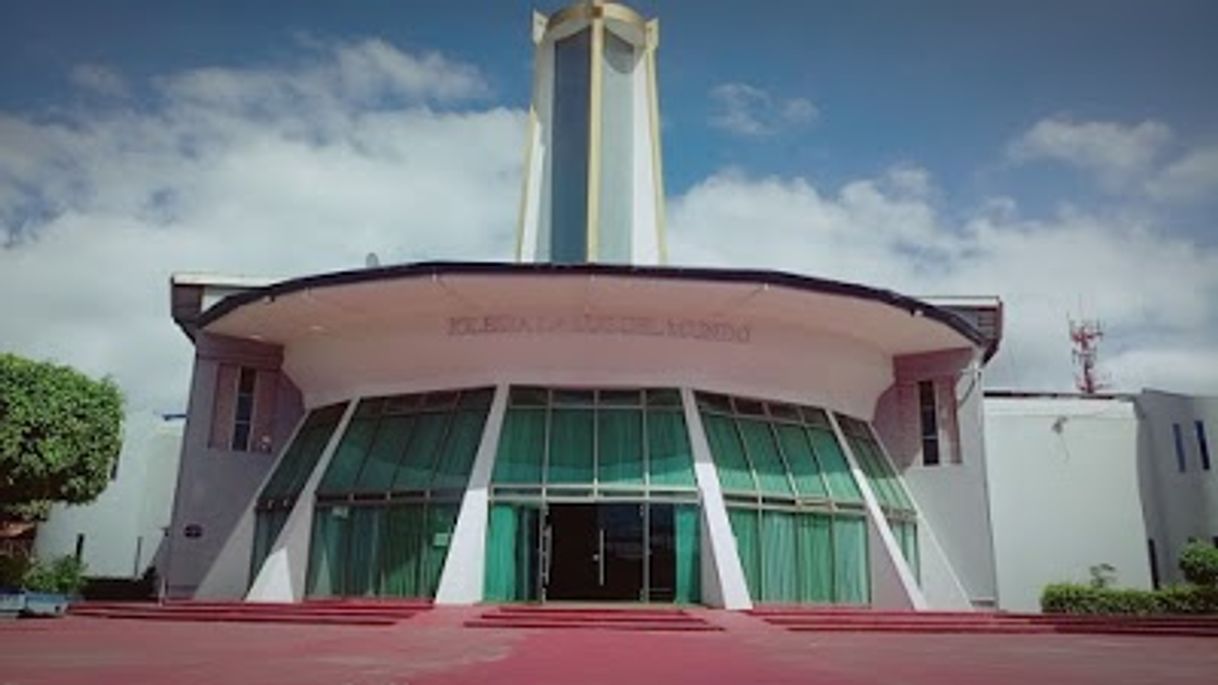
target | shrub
[
  {"x": 1199, "y": 564},
  {"x": 1074, "y": 598},
  {"x": 65, "y": 575}
]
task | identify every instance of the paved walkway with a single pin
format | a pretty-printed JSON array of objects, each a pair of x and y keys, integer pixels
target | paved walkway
[{"x": 435, "y": 649}]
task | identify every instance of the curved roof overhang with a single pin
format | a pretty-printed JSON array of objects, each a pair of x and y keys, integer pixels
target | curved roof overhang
[{"x": 288, "y": 310}]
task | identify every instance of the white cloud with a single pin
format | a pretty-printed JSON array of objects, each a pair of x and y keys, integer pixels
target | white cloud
[
  {"x": 1192, "y": 177},
  {"x": 99, "y": 79},
  {"x": 745, "y": 110},
  {"x": 1132, "y": 276},
  {"x": 272, "y": 171},
  {"x": 1116, "y": 153},
  {"x": 364, "y": 148}
]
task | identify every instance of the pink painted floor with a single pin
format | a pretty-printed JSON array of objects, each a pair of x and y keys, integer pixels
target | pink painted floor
[{"x": 434, "y": 648}]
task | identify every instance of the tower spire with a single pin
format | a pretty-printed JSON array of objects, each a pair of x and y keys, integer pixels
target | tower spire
[{"x": 593, "y": 189}]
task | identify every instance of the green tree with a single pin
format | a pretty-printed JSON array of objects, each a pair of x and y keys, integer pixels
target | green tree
[{"x": 60, "y": 432}]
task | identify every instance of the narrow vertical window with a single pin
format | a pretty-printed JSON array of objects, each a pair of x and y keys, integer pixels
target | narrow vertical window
[
  {"x": 569, "y": 142},
  {"x": 1202, "y": 446},
  {"x": 1179, "y": 438},
  {"x": 80, "y": 546},
  {"x": 243, "y": 418},
  {"x": 930, "y": 423},
  {"x": 1154, "y": 564}
]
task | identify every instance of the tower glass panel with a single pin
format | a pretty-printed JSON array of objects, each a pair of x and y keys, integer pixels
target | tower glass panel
[
  {"x": 569, "y": 166},
  {"x": 617, "y": 151}
]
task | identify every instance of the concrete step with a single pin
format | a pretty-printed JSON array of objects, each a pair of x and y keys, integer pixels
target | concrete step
[
  {"x": 236, "y": 617},
  {"x": 682, "y": 626}
]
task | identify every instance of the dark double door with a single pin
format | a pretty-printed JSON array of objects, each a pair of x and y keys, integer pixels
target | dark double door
[{"x": 608, "y": 552}]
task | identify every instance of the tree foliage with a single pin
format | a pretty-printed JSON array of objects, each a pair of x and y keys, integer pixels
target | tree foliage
[{"x": 60, "y": 432}]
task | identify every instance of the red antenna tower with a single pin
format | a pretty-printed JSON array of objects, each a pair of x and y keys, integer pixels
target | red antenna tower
[{"x": 1086, "y": 336}]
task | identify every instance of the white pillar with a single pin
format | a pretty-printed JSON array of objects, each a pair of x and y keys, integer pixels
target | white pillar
[
  {"x": 282, "y": 576},
  {"x": 465, "y": 565},
  {"x": 727, "y": 587}
]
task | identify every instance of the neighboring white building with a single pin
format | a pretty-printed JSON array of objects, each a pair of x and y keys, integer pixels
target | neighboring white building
[
  {"x": 119, "y": 534},
  {"x": 1179, "y": 483},
  {"x": 1077, "y": 481}
]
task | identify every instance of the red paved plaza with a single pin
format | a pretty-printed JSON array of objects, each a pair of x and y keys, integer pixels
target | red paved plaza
[{"x": 436, "y": 648}]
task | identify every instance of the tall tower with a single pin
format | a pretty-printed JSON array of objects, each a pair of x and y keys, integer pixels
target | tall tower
[{"x": 593, "y": 190}]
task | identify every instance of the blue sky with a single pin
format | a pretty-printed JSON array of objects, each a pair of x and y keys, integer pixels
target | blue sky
[
  {"x": 945, "y": 83},
  {"x": 929, "y": 147}
]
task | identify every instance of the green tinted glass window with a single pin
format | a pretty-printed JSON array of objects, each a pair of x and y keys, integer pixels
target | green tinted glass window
[
  {"x": 802, "y": 460},
  {"x": 620, "y": 446},
  {"x": 349, "y": 457},
  {"x": 763, "y": 453},
  {"x": 414, "y": 472},
  {"x": 571, "y": 445},
  {"x": 728, "y": 452},
  {"x": 833, "y": 465},
  {"x": 391, "y": 439},
  {"x": 670, "y": 460},
  {"x": 522, "y": 445}
]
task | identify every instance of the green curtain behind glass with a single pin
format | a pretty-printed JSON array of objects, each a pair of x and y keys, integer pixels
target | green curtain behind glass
[
  {"x": 511, "y": 553},
  {"x": 670, "y": 460},
  {"x": 441, "y": 519},
  {"x": 728, "y": 453},
  {"x": 619, "y": 440},
  {"x": 763, "y": 453},
  {"x": 833, "y": 465},
  {"x": 780, "y": 582},
  {"x": 804, "y": 469},
  {"x": 364, "y": 552},
  {"x": 688, "y": 555},
  {"x": 402, "y": 550},
  {"x": 850, "y": 560},
  {"x": 499, "y": 582},
  {"x": 815, "y": 534},
  {"x": 327, "y": 552},
  {"x": 571, "y": 432},
  {"x": 521, "y": 447},
  {"x": 744, "y": 527}
]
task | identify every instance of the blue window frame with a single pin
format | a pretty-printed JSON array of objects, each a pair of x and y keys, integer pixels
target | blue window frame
[
  {"x": 1202, "y": 446},
  {"x": 1179, "y": 438}
]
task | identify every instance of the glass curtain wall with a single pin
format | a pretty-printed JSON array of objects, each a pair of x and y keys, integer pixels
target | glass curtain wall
[
  {"x": 889, "y": 490},
  {"x": 279, "y": 494},
  {"x": 388, "y": 502},
  {"x": 793, "y": 505},
  {"x": 563, "y": 446}
]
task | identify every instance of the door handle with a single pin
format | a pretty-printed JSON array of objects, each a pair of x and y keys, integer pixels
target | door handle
[
  {"x": 547, "y": 540},
  {"x": 600, "y": 557}
]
